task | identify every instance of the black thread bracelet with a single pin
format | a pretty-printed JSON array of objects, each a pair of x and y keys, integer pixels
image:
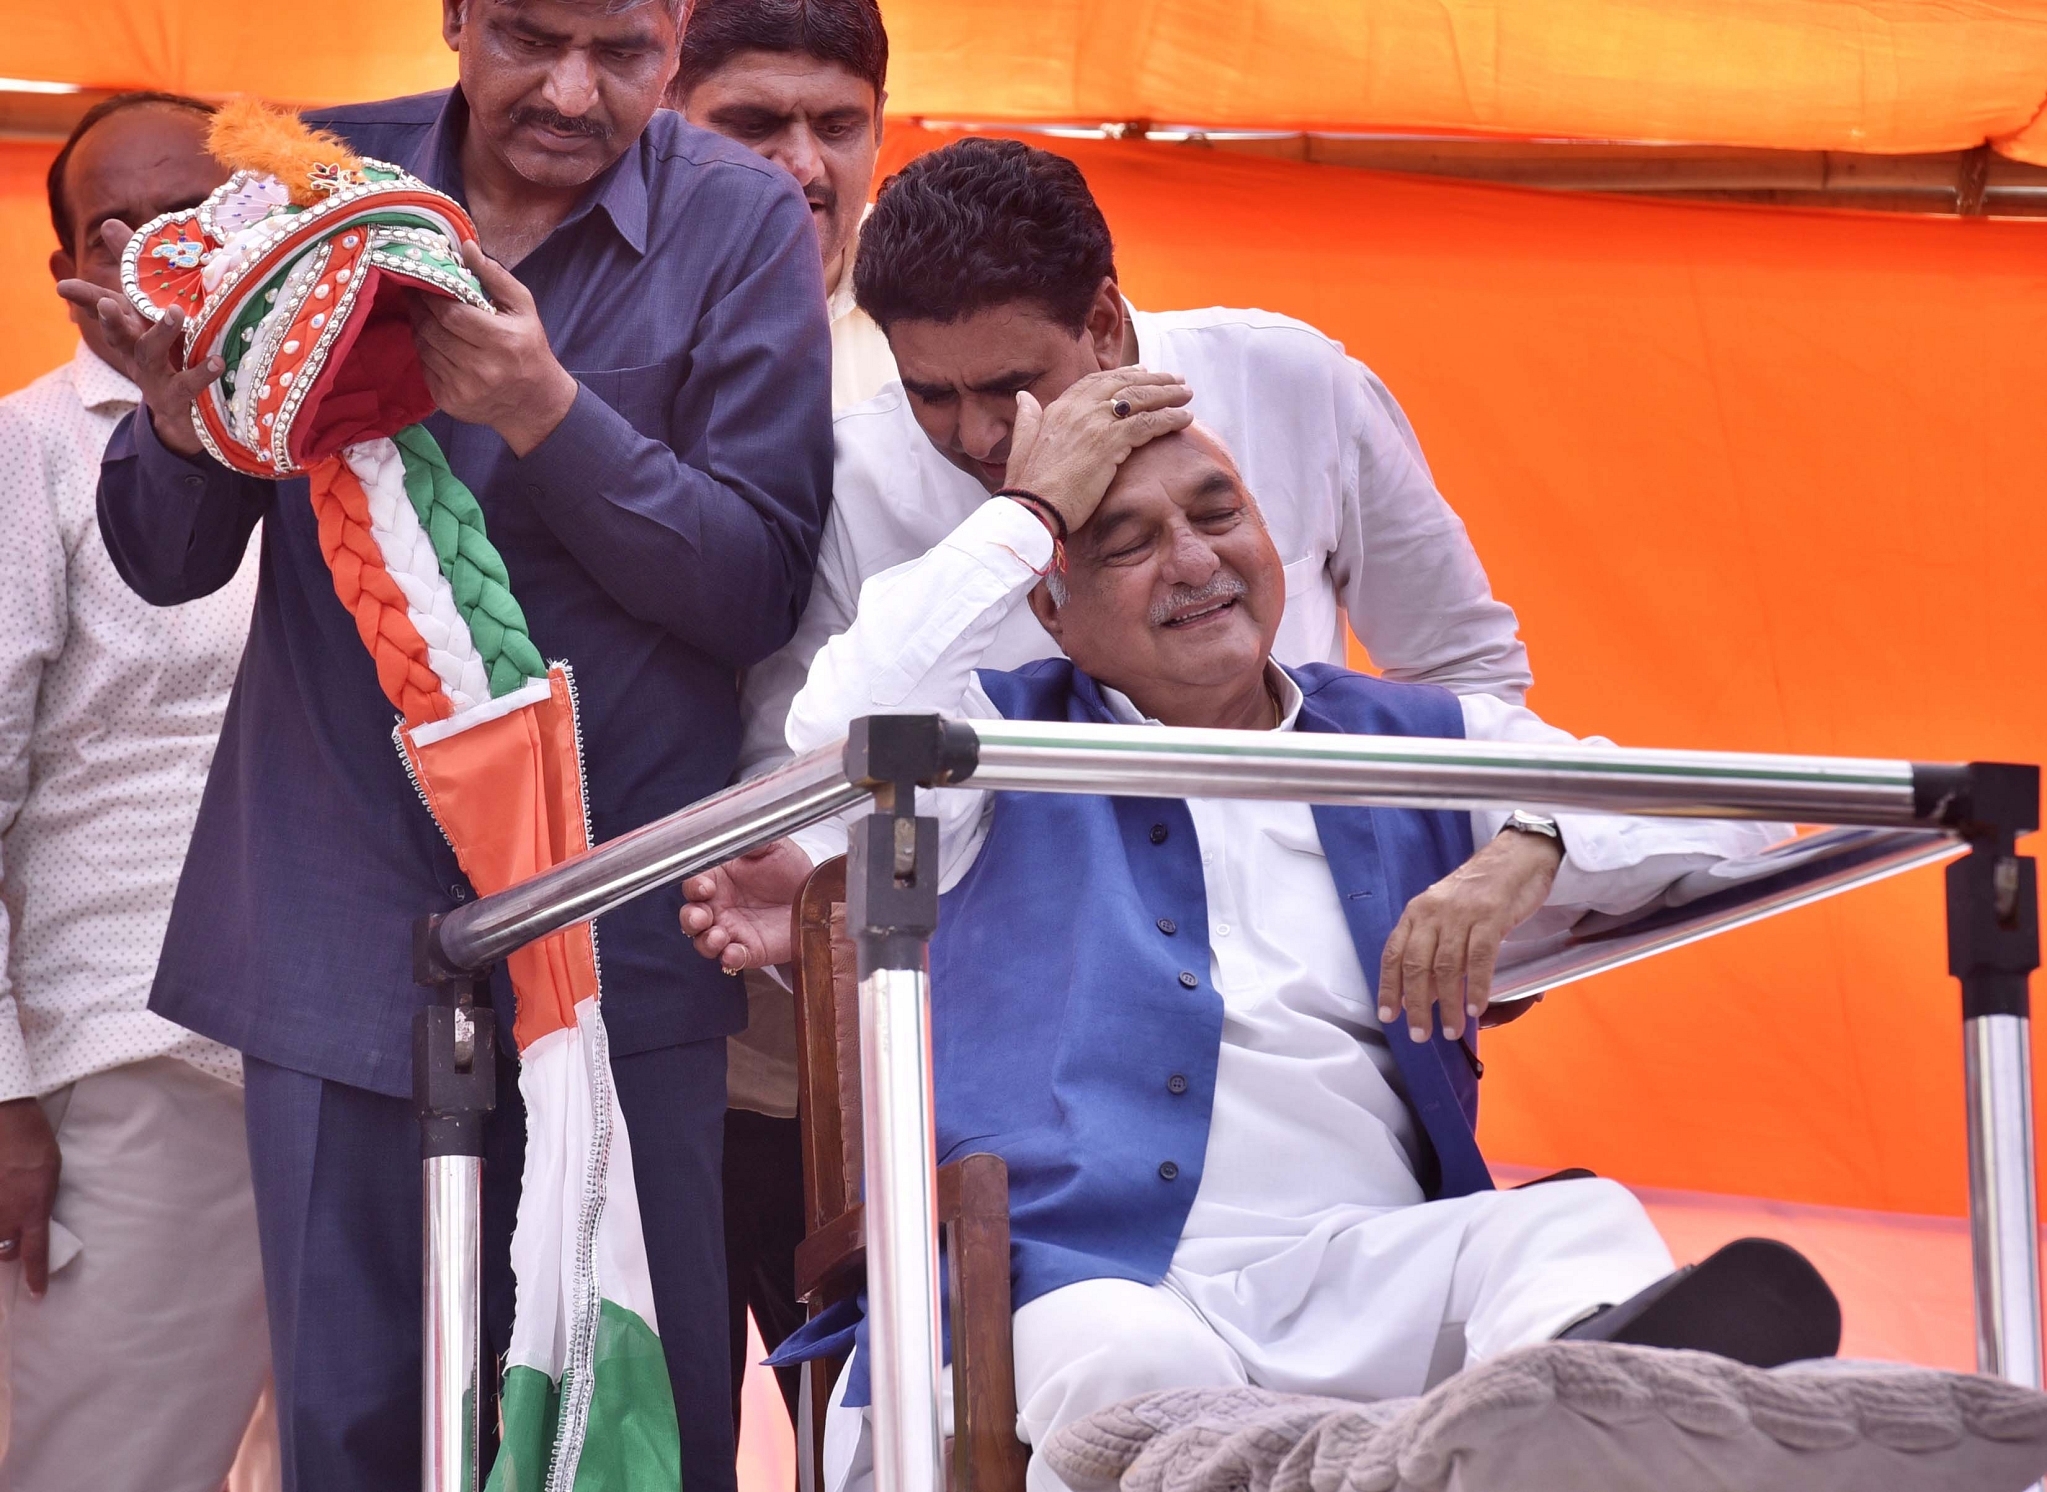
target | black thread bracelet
[{"x": 1032, "y": 500}]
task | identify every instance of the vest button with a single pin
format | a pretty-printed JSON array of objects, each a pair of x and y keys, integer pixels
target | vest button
[
  {"x": 1176, "y": 1085},
  {"x": 1168, "y": 1171},
  {"x": 1187, "y": 978},
  {"x": 1168, "y": 926},
  {"x": 1158, "y": 833}
]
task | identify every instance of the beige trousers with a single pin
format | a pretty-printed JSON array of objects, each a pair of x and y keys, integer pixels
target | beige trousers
[{"x": 141, "y": 1367}]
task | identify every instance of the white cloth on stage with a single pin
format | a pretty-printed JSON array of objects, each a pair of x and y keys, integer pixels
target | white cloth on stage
[{"x": 1309, "y": 1261}]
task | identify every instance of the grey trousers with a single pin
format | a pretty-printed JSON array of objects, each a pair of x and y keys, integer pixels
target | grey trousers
[{"x": 141, "y": 1366}]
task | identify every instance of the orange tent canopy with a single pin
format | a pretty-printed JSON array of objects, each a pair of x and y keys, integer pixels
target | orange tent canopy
[{"x": 1869, "y": 75}]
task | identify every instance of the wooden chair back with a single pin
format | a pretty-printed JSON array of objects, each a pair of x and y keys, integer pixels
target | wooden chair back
[
  {"x": 973, "y": 1209},
  {"x": 828, "y": 1047}
]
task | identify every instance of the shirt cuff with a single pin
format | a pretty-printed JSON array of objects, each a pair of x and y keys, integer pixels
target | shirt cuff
[
  {"x": 1006, "y": 537},
  {"x": 160, "y": 457},
  {"x": 17, "y": 1072}
]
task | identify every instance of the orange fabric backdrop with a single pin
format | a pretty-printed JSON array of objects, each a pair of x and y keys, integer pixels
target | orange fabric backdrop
[
  {"x": 38, "y": 336},
  {"x": 1881, "y": 75},
  {"x": 1754, "y": 479},
  {"x": 301, "y": 53}
]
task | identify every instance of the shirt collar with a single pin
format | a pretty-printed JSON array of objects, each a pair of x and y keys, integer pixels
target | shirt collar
[
  {"x": 620, "y": 189},
  {"x": 1290, "y": 698},
  {"x": 99, "y": 385},
  {"x": 1136, "y": 318},
  {"x": 840, "y": 304}
]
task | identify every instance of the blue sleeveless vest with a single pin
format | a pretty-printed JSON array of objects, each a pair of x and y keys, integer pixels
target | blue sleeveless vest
[{"x": 1075, "y": 1030}]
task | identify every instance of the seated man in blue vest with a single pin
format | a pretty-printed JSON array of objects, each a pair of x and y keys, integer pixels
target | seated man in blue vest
[{"x": 1229, "y": 1162}]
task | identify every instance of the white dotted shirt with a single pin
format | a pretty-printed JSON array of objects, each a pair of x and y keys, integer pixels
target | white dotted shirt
[{"x": 109, "y": 709}]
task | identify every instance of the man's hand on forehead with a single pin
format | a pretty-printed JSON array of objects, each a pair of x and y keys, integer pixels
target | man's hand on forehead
[{"x": 1067, "y": 452}]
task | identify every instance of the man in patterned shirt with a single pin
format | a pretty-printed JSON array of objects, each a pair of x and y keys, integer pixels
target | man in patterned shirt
[{"x": 129, "y": 1278}]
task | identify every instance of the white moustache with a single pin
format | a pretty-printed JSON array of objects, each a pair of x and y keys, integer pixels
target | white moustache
[{"x": 1226, "y": 586}]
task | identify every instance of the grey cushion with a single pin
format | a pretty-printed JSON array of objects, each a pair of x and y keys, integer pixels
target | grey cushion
[{"x": 1571, "y": 1416}]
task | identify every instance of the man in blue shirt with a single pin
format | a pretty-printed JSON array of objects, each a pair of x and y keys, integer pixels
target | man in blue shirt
[{"x": 646, "y": 424}]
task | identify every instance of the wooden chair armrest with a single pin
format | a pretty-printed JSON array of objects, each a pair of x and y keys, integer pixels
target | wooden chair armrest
[
  {"x": 836, "y": 1253},
  {"x": 831, "y": 1258}
]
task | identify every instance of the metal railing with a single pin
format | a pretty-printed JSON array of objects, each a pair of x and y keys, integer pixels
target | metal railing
[{"x": 1903, "y": 815}]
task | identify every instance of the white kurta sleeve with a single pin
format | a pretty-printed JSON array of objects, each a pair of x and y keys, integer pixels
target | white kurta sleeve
[
  {"x": 770, "y": 685},
  {"x": 1612, "y": 862},
  {"x": 1417, "y": 595},
  {"x": 913, "y": 644},
  {"x": 34, "y": 617}
]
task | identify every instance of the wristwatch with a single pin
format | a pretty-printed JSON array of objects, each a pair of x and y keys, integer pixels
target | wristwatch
[{"x": 1532, "y": 823}]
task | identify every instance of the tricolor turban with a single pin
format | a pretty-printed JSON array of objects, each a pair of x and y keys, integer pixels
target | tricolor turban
[{"x": 297, "y": 274}]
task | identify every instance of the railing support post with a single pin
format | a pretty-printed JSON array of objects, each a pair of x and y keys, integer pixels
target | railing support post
[
  {"x": 454, "y": 1087},
  {"x": 1993, "y": 947},
  {"x": 892, "y": 911}
]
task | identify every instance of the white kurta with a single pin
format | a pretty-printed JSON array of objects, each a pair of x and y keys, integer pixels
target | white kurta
[
  {"x": 862, "y": 362},
  {"x": 1309, "y": 1261},
  {"x": 760, "y": 1061}
]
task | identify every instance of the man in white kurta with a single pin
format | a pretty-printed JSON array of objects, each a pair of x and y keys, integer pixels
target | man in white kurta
[
  {"x": 131, "y": 1291},
  {"x": 1309, "y": 1261}
]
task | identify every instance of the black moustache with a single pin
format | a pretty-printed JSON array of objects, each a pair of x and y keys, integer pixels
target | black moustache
[{"x": 562, "y": 123}]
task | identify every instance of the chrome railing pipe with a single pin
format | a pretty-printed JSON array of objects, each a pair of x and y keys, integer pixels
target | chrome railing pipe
[
  {"x": 1417, "y": 772},
  {"x": 2003, "y": 1218},
  {"x": 707, "y": 833},
  {"x": 901, "y": 1221},
  {"x": 453, "y": 1322}
]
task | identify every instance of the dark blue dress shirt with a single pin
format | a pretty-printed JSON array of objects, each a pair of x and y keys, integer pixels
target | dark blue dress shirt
[{"x": 660, "y": 540}]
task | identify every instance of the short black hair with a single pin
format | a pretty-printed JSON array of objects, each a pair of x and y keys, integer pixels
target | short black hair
[
  {"x": 982, "y": 223},
  {"x": 848, "y": 32},
  {"x": 60, "y": 203}
]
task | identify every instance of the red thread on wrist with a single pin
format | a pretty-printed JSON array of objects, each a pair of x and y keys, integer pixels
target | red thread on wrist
[{"x": 1051, "y": 517}]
